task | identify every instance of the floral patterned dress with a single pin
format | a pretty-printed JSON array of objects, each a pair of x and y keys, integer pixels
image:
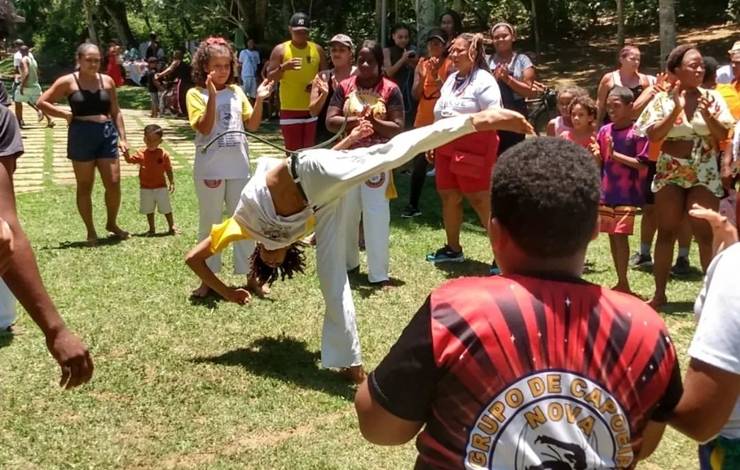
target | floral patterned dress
[{"x": 701, "y": 167}]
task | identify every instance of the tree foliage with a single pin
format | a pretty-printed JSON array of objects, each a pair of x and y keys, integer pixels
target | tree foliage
[{"x": 55, "y": 27}]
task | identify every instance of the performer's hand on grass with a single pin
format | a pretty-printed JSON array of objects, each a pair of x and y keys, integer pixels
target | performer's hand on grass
[
  {"x": 6, "y": 246},
  {"x": 72, "y": 356},
  {"x": 239, "y": 296},
  {"x": 724, "y": 233}
]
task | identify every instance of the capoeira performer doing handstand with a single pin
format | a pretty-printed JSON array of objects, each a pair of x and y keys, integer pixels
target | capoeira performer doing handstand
[{"x": 288, "y": 198}]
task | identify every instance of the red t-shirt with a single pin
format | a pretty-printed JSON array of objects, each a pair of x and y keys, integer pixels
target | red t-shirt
[
  {"x": 153, "y": 164},
  {"x": 522, "y": 372},
  {"x": 352, "y": 100}
]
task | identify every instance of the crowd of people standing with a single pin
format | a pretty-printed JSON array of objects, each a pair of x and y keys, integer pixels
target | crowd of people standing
[{"x": 533, "y": 336}]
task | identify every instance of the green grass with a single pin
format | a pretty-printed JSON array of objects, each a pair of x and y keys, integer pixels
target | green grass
[
  {"x": 133, "y": 97},
  {"x": 182, "y": 385}
]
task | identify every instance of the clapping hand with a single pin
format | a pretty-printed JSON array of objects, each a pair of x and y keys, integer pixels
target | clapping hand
[
  {"x": 293, "y": 64},
  {"x": 707, "y": 105},
  {"x": 6, "y": 246},
  {"x": 265, "y": 89},
  {"x": 210, "y": 86},
  {"x": 593, "y": 147},
  {"x": 678, "y": 95},
  {"x": 501, "y": 73},
  {"x": 321, "y": 85},
  {"x": 363, "y": 130}
]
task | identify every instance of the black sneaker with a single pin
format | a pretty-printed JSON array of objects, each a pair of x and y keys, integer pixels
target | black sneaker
[
  {"x": 446, "y": 255},
  {"x": 494, "y": 269},
  {"x": 682, "y": 267},
  {"x": 638, "y": 260},
  {"x": 410, "y": 211}
]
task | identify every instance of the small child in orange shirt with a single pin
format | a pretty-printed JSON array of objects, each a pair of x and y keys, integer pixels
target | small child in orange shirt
[{"x": 154, "y": 164}]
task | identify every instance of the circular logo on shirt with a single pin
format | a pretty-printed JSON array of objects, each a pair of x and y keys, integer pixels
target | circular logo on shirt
[
  {"x": 550, "y": 420},
  {"x": 376, "y": 181}
]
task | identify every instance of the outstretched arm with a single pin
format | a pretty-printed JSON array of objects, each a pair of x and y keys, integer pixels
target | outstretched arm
[{"x": 24, "y": 281}]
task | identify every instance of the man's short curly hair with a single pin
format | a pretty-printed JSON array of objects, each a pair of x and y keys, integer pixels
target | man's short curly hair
[
  {"x": 545, "y": 193},
  {"x": 295, "y": 262}
]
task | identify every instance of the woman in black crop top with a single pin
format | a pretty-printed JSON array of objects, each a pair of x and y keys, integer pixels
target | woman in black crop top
[
  {"x": 627, "y": 75},
  {"x": 96, "y": 134}
]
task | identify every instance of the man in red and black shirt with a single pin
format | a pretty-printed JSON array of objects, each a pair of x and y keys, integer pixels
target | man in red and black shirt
[{"x": 536, "y": 368}]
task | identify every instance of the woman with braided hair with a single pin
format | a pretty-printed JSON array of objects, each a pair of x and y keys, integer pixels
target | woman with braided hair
[
  {"x": 463, "y": 167},
  {"x": 287, "y": 198}
]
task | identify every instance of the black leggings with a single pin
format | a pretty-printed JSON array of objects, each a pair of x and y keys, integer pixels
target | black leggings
[{"x": 418, "y": 175}]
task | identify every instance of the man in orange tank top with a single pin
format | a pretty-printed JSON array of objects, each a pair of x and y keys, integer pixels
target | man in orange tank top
[{"x": 295, "y": 64}]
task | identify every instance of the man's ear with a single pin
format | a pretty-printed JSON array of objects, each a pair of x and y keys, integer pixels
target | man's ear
[{"x": 495, "y": 234}]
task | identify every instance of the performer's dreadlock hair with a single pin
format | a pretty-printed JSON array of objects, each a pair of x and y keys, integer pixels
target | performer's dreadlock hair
[{"x": 295, "y": 262}]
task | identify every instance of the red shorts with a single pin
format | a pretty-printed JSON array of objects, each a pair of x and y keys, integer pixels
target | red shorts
[
  {"x": 617, "y": 220},
  {"x": 298, "y": 128},
  {"x": 466, "y": 164}
]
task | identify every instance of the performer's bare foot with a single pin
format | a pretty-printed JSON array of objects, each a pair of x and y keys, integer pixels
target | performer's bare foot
[
  {"x": 151, "y": 232},
  {"x": 117, "y": 231},
  {"x": 355, "y": 374},
  {"x": 260, "y": 290},
  {"x": 173, "y": 230},
  {"x": 201, "y": 292}
]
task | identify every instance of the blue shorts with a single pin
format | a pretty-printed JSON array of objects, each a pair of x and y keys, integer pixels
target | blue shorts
[{"x": 87, "y": 141}]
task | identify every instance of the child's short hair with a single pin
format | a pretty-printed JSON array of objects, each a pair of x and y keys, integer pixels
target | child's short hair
[
  {"x": 586, "y": 102},
  {"x": 212, "y": 46},
  {"x": 295, "y": 262},
  {"x": 623, "y": 94},
  {"x": 545, "y": 193},
  {"x": 153, "y": 129},
  {"x": 573, "y": 90}
]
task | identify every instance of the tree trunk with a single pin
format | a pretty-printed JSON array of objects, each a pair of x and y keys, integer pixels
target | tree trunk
[
  {"x": 620, "y": 23},
  {"x": 116, "y": 11},
  {"x": 260, "y": 19},
  {"x": 89, "y": 8},
  {"x": 667, "y": 28},
  {"x": 426, "y": 19},
  {"x": 536, "y": 30}
]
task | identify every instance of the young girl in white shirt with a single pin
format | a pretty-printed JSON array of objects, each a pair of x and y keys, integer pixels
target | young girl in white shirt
[{"x": 215, "y": 105}]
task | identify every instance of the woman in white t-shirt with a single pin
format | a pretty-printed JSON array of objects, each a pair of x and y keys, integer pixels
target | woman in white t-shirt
[
  {"x": 216, "y": 105},
  {"x": 463, "y": 167}
]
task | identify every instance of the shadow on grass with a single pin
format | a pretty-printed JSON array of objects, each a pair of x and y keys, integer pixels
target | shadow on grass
[
  {"x": 678, "y": 308},
  {"x": 286, "y": 359},
  {"x": 5, "y": 340},
  {"x": 364, "y": 288},
  {"x": 83, "y": 244},
  {"x": 468, "y": 267}
]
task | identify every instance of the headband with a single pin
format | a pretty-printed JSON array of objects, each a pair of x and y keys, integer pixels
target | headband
[
  {"x": 215, "y": 41},
  {"x": 505, "y": 25}
]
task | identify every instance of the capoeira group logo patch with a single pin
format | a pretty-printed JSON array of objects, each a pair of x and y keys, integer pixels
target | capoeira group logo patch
[
  {"x": 550, "y": 420},
  {"x": 376, "y": 181}
]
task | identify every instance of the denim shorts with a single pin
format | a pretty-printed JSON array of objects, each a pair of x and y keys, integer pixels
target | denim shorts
[{"x": 87, "y": 141}]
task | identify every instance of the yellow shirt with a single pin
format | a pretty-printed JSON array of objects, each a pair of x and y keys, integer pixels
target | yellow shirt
[
  {"x": 295, "y": 93},
  {"x": 731, "y": 93},
  {"x": 229, "y": 231}
]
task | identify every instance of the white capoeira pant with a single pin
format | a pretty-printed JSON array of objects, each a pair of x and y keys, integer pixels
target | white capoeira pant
[
  {"x": 7, "y": 306},
  {"x": 213, "y": 195},
  {"x": 368, "y": 199},
  {"x": 325, "y": 177}
]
